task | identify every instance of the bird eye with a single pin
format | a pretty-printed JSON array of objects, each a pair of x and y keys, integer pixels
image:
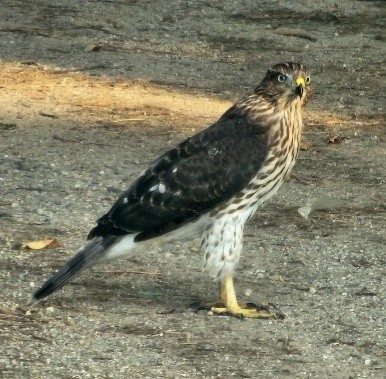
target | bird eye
[
  {"x": 308, "y": 80},
  {"x": 281, "y": 78}
]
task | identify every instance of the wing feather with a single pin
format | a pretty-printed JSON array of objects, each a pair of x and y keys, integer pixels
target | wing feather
[{"x": 199, "y": 174}]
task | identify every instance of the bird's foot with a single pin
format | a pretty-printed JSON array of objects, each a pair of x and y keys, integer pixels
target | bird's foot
[{"x": 248, "y": 310}]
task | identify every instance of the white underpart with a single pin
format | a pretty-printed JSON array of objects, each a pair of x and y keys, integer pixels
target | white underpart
[
  {"x": 221, "y": 255},
  {"x": 124, "y": 246},
  {"x": 127, "y": 246},
  {"x": 188, "y": 232}
]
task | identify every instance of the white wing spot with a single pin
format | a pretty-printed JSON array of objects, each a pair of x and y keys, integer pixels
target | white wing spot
[
  {"x": 153, "y": 188},
  {"x": 125, "y": 200},
  {"x": 175, "y": 169},
  {"x": 161, "y": 188}
]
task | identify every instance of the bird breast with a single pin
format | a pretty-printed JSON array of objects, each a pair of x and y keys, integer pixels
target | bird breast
[{"x": 285, "y": 134}]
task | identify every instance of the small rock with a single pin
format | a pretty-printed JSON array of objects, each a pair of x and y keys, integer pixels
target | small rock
[{"x": 50, "y": 310}]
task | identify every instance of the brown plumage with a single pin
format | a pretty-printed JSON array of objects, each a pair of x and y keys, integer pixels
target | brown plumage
[{"x": 209, "y": 185}]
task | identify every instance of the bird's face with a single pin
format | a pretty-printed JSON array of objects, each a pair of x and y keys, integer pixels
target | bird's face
[{"x": 285, "y": 84}]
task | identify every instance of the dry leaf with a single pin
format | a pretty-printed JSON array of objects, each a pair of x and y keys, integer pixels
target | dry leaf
[
  {"x": 41, "y": 244},
  {"x": 305, "y": 146},
  {"x": 334, "y": 139},
  {"x": 295, "y": 33},
  {"x": 91, "y": 48},
  {"x": 48, "y": 114}
]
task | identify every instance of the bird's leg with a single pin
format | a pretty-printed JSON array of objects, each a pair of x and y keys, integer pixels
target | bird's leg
[{"x": 232, "y": 307}]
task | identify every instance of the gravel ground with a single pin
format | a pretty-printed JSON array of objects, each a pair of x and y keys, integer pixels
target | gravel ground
[{"x": 91, "y": 92}]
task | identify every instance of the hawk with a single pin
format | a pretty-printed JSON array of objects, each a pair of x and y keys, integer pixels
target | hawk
[{"x": 208, "y": 186}]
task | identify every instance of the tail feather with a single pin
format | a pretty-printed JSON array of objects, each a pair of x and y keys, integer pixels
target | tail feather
[{"x": 92, "y": 253}]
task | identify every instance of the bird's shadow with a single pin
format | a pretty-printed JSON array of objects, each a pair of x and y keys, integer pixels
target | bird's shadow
[{"x": 165, "y": 294}]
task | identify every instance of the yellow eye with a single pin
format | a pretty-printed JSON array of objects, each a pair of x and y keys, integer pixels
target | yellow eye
[
  {"x": 308, "y": 80},
  {"x": 281, "y": 78}
]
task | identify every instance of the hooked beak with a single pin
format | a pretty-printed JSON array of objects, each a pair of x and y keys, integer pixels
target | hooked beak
[{"x": 300, "y": 84}]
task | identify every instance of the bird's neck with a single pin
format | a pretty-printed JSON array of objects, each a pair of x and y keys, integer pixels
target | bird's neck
[
  {"x": 273, "y": 116},
  {"x": 258, "y": 110},
  {"x": 285, "y": 131}
]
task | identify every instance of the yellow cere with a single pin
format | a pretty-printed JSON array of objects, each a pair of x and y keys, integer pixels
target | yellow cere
[{"x": 300, "y": 81}]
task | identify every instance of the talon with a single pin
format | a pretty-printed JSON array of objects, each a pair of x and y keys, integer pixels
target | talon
[
  {"x": 229, "y": 305},
  {"x": 240, "y": 312}
]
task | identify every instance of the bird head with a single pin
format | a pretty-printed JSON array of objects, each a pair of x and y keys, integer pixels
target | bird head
[{"x": 285, "y": 84}]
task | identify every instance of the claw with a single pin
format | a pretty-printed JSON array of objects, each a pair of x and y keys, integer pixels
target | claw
[{"x": 247, "y": 312}]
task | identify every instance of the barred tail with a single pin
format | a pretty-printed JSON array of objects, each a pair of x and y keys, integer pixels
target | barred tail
[{"x": 92, "y": 253}]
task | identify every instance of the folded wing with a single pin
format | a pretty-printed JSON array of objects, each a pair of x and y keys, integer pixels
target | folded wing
[{"x": 189, "y": 180}]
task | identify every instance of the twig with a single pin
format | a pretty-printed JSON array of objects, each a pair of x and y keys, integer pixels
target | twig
[
  {"x": 139, "y": 272},
  {"x": 295, "y": 33},
  {"x": 58, "y": 138}
]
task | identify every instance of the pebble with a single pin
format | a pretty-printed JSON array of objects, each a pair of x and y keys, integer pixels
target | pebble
[{"x": 50, "y": 310}]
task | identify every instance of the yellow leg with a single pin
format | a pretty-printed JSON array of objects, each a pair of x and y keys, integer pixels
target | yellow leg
[{"x": 232, "y": 307}]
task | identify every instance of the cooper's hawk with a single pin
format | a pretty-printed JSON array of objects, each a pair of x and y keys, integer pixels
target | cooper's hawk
[{"x": 208, "y": 186}]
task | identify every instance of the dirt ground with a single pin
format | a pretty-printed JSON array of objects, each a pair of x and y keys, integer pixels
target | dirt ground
[{"x": 91, "y": 92}]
